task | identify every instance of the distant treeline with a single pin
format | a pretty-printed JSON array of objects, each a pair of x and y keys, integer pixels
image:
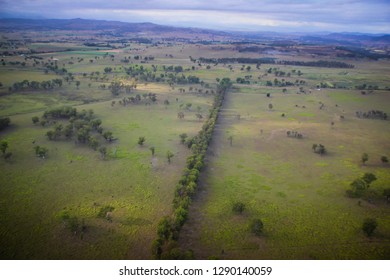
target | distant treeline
[
  {"x": 361, "y": 53},
  {"x": 270, "y": 60},
  {"x": 34, "y": 85},
  {"x": 265, "y": 60},
  {"x": 318, "y": 63}
]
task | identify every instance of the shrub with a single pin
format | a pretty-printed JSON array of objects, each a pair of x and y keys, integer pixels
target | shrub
[
  {"x": 257, "y": 226},
  {"x": 369, "y": 226},
  {"x": 104, "y": 210},
  {"x": 238, "y": 207}
]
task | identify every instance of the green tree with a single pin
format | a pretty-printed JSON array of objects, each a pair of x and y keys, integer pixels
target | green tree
[
  {"x": 164, "y": 228},
  {"x": 41, "y": 151},
  {"x": 169, "y": 156},
  {"x": 152, "y": 149},
  {"x": 93, "y": 143},
  {"x": 103, "y": 152},
  {"x": 35, "y": 119},
  {"x": 238, "y": 207},
  {"x": 364, "y": 158},
  {"x": 369, "y": 178},
  {"x": 369, "y": 226},
  {"x": 270, "y": 106},
  {"x": 141, "y": 140},
  {"x": 3, "y": 146},
  {"x": 180, "y": 115},
  {"x": 257, "y": 226},
  {"x": 183, "y": 137},
  {"x": 384, "y": 159},
  {"x": 319, "y": 149},
  {"x": 50, "y": 135},
  {"x": 78, "y": 84},
  {"x": 108, "y": 136},
  {"x": 115, "y": 87}
]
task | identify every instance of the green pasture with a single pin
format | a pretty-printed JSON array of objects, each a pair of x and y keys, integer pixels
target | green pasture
[
  {"x": 76, "y": 181},
  {"x": 299, "y": 195}
]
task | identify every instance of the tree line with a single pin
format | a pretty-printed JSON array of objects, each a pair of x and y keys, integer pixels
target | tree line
[
  {"x": 34, "y": 85},
  {"x": 270, "y": 60},
  {"x": 169, "y": 227}
]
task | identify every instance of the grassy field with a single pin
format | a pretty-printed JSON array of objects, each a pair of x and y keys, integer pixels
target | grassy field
[
  {"x": 75, "y": 181},
  {"x": 299, "y": 195}
]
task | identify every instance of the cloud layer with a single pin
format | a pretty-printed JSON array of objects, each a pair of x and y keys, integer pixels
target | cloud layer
[{"x": 251, "y": 15}]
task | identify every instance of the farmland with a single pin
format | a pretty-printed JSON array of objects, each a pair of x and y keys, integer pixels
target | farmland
[{"x": 104, "y": 197}]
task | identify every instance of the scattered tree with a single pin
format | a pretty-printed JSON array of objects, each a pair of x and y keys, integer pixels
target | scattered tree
[
  {"x": 180, "y": 115},
  {"x": 35, "y": 119},
  {"x": 169, "y": 156},
  {"x": 238, "y": 207},
  {"x": 384, "y": 159},
  {"x": 41, "y": 151},
  {"x": 364, "y": 158},
  {"x": 183, "y": 137},
  {"x": 152, "y": 149},
  {"x": 319, "y": 149},
  {"x": 369, "y": 226},
  {"x": 108, "y": 136},
  {"x": 270, "y": 106},
  {"x": 103, "y": 152},
  {"x": 369, "y": 178},
  {"x": 257, "y": 226},
  {"x": 3, "y": 146},
  {"x": 141, "y": 140},
  {"x": 360, "y": 185}
]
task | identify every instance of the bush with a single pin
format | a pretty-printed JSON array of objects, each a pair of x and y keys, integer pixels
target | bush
[
  {"x": 104, "y": 210},
  {"x": 257, "y": 226},
  {"x": 238, "y": 207},
  {"x": 369, "y": 226},
  {"x": 4, "y": 122},
  {"x": 164, "y": 228}
]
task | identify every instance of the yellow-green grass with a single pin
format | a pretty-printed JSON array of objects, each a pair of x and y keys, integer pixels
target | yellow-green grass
[
  {"x": 299, "y": 195},
  {"x": 74, "y": 179}
]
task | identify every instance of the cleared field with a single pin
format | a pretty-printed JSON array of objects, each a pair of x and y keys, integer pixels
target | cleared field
[
  {"x": 299, "y": 195},
  {"x": 74, "y": 180}
]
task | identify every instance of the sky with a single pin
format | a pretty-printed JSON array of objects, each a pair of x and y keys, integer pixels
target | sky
[{"x": 370, "y": 16}]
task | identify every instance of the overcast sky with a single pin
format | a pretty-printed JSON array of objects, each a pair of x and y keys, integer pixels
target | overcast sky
[{"x": 371, "y": 16}]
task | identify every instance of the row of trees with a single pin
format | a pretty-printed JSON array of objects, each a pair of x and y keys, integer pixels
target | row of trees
[
  {"x": 266, "y": 60},
  {"x": 373, "y": 114},
  {"x": 34, "y": 85},
  {"x": 169, "y": 227}
]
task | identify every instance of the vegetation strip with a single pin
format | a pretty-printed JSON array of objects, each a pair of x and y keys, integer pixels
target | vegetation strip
[{"x": 168, "y": 230}]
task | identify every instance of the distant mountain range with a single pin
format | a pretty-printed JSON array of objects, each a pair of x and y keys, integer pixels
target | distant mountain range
[
  {"x": 126, "y": 27},
  {"x": 97, "y": 25}
]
